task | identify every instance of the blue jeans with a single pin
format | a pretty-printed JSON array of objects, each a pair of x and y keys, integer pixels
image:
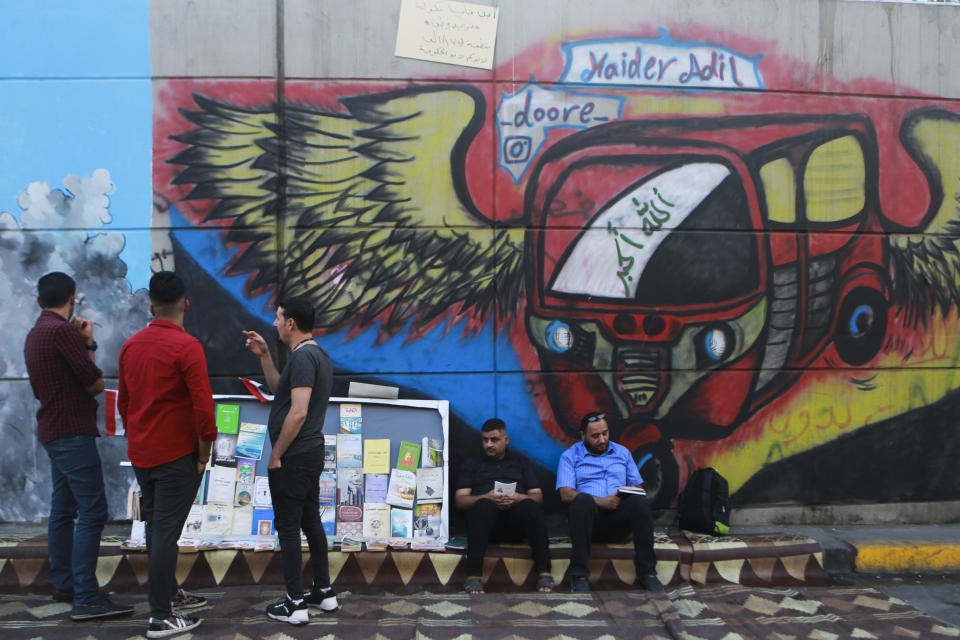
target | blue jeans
[{"x": 78, "y": 495}]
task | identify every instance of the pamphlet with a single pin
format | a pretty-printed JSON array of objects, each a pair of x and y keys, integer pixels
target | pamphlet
[
  {"x": 402, "y": 488},
  {"x": 376, "y": 520},
  {"x": 426, "y": 521},
  {"x": 401, "y": 523},
  {"x": 430, "y": 484},
  {"x": 349, "y": 486},
  {"x": 263, "y": 522},
  {"x": 194, "y": 522},
  {"x": 350, "y": 417},
  {"x": 409, "y": 455},
  {"x": 349, "y": 451},
  {"x": 250, "y": 440},
  {"x": 376, "y": 455},
  {"x": 222, "y": 481},
  {"x": 375, "y": 487},
  {"x": 504, "y": 488},
  {"x": 217, "y": 518},
  {"x": 261, "y": 492},
  {"x": 242, "y": 521},
  {"x": 228, "y": 418}
]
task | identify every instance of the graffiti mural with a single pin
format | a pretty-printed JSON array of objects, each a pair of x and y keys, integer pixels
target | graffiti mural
[{"x": 699, "y": 265}]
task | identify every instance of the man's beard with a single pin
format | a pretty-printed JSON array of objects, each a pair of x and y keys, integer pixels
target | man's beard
[{"x": 593, "y": 449}]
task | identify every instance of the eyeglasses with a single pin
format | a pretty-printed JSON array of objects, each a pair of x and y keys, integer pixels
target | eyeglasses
[{"x": 596, "y": 418}]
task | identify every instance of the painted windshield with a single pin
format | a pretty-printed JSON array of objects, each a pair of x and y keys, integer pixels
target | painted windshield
[{"x": 679, "y": 235}]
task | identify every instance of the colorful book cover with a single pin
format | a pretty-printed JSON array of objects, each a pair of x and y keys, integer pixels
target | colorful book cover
[
  {"x": 375, "y": 487},
  {"x": 349, "y": 513},
  {"x": 228, "y": 418},
  {"x": 328, "y": 518},
  {"x": 408, "y": 456},
  {"x": 261, "y": 492},
  {"x": 329, "y": 452},
  {"x": 350, "y": 486},
  {"x": 401, "y": 523},
  {"x": 426, "y": 521},
  {"x": 402, "y": 488},
  {"x": 246, "y": 472},
  {"x": 328, "y": 488},
  {"x": 217, "y": 519},
  {"x": 349, "y": 451},
  {"x": 250, "y": 440},
  {"x": 431, "y": 454},
  {"x": 430, "y": 484},
  {"x": 351, "y": 417},
  {"x": 376, "y": 520},
  {"x": 225, "y": 450},
  {"x": 262, "y": 522},
  {"x": 376, "y": 455}
]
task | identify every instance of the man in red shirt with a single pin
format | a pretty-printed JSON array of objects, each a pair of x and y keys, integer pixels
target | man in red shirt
[
  {"x": 166, "y": 404},
  {"x": 59, "y": 354}
]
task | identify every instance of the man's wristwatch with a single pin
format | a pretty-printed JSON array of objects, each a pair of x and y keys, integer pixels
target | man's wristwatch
[{"x": 92, "y": 346}]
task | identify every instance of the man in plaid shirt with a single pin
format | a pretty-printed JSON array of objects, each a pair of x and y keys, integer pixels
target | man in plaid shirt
[{"x": 59, "y": 354}]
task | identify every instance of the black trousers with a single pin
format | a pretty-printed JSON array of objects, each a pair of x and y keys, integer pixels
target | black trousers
[
  {"x": 166, "y": 493},
  {"x": 295, "y": 489},
  {"x": 589, "y": 523},
  {"x": 524, "y": 520}
]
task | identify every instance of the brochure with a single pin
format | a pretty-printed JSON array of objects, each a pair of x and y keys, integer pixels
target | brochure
[
  {"x": 401, "y": 523},
  {"x": 376, "y": 520},
  {"x": 261, "y": 492},
  {"x": 504, "y": 488},
  {"x": 242, "y": 521},
  {"x": 350, "y": 486},
  {"x": 430, "y": 484},
  {"x": 228, "y": 418},
  {"x": 349, "y": 451},
  {"x": 250, "y": 440},
  {"x": 409, "y": 455},
  {"x": 402, "y": 488},
  {"x": 328, "y": 488},
  {"x": 376, "y": 455},
  {"x": 375, "y": 487},
  {"x": 262, "y": 522},
  {"x": 222, "y": 481},
  {"x": 426, "y": 521},
  {"x": 217, "y": 518}
]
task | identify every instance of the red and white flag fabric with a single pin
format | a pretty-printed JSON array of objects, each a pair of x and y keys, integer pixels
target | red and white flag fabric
[
  {"x": 256, "y": 390},
  {"x": 114, "y": 424}
]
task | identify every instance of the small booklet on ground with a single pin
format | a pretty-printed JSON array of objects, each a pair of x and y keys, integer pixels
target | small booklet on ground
[{"x": 635, "y": 491}]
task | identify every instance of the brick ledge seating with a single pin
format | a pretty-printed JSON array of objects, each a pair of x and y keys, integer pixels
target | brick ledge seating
[{"x": 750, "y": 560}]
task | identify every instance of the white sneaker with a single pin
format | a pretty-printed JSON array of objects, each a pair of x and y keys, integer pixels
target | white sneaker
[
  {"x": 287, "y": 611},
  {"x": 326, "y": 599}
]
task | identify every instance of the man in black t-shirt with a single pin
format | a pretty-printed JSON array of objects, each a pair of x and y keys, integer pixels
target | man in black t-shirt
[
  {"x": 501, "y": 512},
  {"x": 295, "y": 427}
]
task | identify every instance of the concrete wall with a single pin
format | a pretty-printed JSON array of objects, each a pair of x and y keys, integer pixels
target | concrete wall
[{"x": 470, "y": 234}]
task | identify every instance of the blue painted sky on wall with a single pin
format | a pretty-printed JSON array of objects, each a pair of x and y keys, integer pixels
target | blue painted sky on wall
[{"x": 75, "y": 96}]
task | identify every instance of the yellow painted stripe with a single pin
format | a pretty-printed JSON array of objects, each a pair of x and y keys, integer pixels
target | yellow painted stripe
[{"x": 893, "y": 557}]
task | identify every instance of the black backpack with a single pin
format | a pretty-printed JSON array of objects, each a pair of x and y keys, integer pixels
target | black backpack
[{"x": 704, "y": 505}]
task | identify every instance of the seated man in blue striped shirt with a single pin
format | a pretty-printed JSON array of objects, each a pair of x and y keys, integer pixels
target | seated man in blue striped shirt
[{"x": 589, "y": 478}]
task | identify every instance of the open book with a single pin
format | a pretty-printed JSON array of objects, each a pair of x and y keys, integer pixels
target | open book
[{"x": 636, "y": 491}]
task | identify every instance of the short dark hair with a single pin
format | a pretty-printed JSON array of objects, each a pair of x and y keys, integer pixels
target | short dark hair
[
  {"x": 55, "y": 289},
  {"x": 166, "y": 288},
  {"x": 300, "y": 310},
  {"x": 593, "y": 416},
  {"x": 494, "y": 424}
]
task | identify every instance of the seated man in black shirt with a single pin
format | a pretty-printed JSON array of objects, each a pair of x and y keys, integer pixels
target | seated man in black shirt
[{"x": 501, "y": 515}]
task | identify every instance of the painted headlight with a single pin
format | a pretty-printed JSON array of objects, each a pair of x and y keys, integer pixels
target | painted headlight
[
  {"x": 714, "y": 344},
  {"x": 559, "y": 337}
]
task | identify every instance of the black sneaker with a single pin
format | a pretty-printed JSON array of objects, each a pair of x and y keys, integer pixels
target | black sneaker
[
  {"x": 325, "y": 598},
  {"x": 287, "y": 611},
  {"x": 99, "y": 609},
  {"x": 184, "y": 600},
  {"x": 650, "y": 583},
  {"x": 173, "y": 625},
  {"x": 579, "y": 584},
  {"x": 62, "y": 596}
]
